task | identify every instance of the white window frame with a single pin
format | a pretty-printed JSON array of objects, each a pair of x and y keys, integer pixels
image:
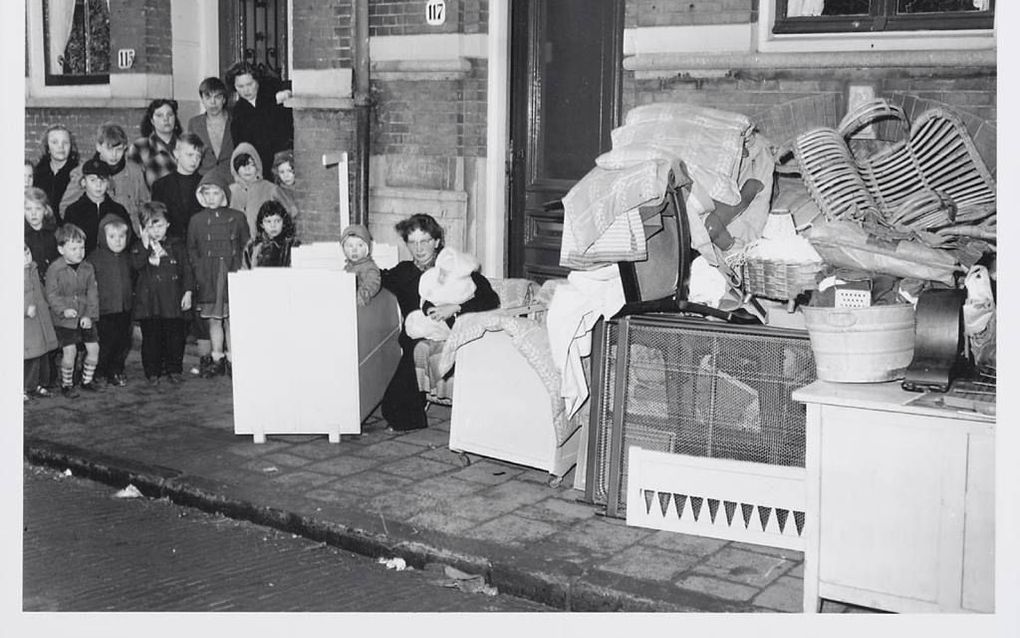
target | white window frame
[{"x": 977, "y": 39}]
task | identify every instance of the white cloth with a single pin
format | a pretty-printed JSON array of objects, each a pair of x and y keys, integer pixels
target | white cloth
[
  {"x": 573, "y": 311},
  {"x": 449, "y": 280},
  {"x": 419, "y": 326}
]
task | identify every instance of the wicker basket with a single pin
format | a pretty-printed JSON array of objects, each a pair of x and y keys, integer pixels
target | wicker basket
[
  {"x": 779, "y": 280},
  {"x": 936, "y": 155}
]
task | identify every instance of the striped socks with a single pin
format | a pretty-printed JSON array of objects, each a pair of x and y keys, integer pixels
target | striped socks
[{"x": 88, "y": 369}]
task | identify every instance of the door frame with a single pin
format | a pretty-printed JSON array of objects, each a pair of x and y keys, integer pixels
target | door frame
[{"x": 501, "y": 65}]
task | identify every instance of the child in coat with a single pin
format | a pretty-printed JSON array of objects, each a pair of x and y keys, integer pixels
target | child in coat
[
  {"x": 217, "y": 236},
  {"x": 127, "y": 184},
  {"x": 356, "y": 243},
  {"x": 249, "y": 191},
  {"x": 162, "y": 294},
  {"x": 40, "y": 338},
  {"x": 94, "y": 204},
  {"x": 112, "y": 265},
  {"x": 73, "y": 297},
  {"x": 39, "y": 226},
  {"x": 448, "y": 282},
  {"x": 284, "y": 178},
  {"x": 275, "y": 239}
]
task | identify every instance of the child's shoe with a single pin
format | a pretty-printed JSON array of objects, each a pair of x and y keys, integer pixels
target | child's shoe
[
  {"x": 174, "y": 378},
  {"x": 229, "y": 369},
  {"x": 153, "y": 381},
  {"x": 118, "y": 380},
  {"x": 215, "y": 369},
  {"x": 204, "y": 363},
  {"x": 39, "y": 393},
  {"x": 91, "y": 386},
  {"x": 69, "y": 392}
]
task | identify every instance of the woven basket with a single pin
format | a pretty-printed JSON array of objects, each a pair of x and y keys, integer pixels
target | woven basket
[
  {"x": 779, "y": 280},
  {"x": 935, "y": 162}
]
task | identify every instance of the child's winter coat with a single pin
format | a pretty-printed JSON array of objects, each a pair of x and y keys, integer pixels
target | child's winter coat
[
  {"x": 86, "y": 214},
  {"x": 216, "y": 241},
  {"x": 40, "y": 337},
  {"x": 42, "y": 244},
  {"x": 113, "y": 273},
  {"x": 67, "y": 287},
  {"x": 160, "y": 287},
  {"x": 248, "y": 197},
  {"x": 366, "y": 271}
]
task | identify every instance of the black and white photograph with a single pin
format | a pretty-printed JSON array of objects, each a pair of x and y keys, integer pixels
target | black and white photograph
[{"x": 463, "y": 315}]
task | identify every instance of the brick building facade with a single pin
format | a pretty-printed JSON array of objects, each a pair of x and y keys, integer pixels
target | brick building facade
[{"x": 434, "y": 115}]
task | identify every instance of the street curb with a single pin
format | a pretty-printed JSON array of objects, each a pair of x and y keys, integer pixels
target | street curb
[{"x": 550, "y": 589}]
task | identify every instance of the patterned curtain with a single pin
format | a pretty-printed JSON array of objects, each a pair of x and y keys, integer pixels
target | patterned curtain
[{"x": 87, "y": 48}]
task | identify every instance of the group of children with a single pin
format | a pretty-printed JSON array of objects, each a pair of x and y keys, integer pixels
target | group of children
[{"x": 111, "y": 254}]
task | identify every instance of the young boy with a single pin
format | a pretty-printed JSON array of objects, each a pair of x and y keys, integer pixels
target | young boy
[
  {"x": 73, "y": 297},
  {"x": 162, "y": 294},
  {"x": 113, "y": 279},
  {"x": 356, "y": 243},
  {"x": 217, "y": 236},
  {"x": 94, "y": 204},
  {"x": 127, "y": 180},
  {"x": 213, "y": 126},
  {"x": 249, "y": 191},
  {"x": 177, "y": 190},
  {"x": 272, "y": 246}
]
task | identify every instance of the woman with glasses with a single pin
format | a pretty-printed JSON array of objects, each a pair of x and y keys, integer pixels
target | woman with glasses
[{"x": 403, "y": 404}]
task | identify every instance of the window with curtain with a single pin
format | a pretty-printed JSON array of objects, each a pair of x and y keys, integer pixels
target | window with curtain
[
  {"x": 855, "y": 16},
  {"x": 77, "y": 41}
]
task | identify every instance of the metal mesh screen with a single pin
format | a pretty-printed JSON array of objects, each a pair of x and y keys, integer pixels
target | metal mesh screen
[{"x": 701, "y": 389}]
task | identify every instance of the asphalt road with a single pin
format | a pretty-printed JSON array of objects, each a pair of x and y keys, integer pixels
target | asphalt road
[{"x": 85, "y": 550}]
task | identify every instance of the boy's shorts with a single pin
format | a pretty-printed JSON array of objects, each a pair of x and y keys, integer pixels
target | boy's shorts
[{"x": 74, "y": 336}]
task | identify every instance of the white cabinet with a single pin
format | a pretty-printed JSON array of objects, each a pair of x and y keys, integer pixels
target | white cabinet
[{"x": 900, "y": 509}]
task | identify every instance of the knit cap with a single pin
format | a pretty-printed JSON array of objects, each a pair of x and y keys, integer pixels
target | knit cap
[
  {"x": 357, "y": 230},
  {"x": 96, "y": 167}
]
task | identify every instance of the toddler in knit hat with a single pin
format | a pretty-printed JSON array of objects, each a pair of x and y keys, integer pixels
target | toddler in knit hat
[
  {"x": 447, "y": 282},
  {"x": 356, "y": 243}
]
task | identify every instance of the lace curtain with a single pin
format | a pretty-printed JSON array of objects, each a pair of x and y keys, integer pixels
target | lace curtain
[{"x": 79, "y": 37}]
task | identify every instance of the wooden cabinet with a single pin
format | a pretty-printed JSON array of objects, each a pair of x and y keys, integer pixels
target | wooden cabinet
[{"x": 900, "y": 501}]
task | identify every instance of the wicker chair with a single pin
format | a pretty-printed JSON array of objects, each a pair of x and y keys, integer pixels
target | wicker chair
[{"x": 513, "y": 293}]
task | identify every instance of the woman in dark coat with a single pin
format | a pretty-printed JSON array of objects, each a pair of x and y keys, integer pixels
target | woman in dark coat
[
  {"x": 258, "y": 116},
  {"x": 59, "y": 156},
  {"x": 403, "y": 405}
]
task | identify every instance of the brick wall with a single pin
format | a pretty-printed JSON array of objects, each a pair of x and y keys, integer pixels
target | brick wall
[
  {"x": 407, "y": 17},
  {"x": 81, "y": 122},
  {"x": 317, "y": 131},
  {"x": 660, "y": 13},
  {"x": 322, "y": 34},
  {"x": 784, "y": 103},
  {"x": 142, "y": 25},
  {"x": 432, "y": 118}
]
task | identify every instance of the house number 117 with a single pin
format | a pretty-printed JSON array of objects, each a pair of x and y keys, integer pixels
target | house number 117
[{"x": 435, "y": 12}]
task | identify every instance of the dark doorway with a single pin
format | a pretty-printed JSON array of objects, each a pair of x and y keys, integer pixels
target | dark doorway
[
  {"x": 565, "y": 61},
  {"x": 254, "y": 31}
]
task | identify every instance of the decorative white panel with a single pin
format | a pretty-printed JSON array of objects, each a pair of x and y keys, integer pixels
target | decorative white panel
[{"x": 718, "y": 498}]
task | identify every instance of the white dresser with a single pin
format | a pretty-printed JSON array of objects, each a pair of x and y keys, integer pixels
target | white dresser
[{"x": 900, "y": 511}]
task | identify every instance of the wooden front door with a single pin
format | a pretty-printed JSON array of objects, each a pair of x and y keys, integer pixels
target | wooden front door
[
  {"x": 565, "y": 63},
  {"x": 254, "y": 31}
]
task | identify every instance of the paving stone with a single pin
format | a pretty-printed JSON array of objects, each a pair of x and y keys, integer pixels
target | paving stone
[
  {"x": 387, "y": 450},
  {"x": 341, "y": 465},
  {"x": 717, "y": 587},
  {"x": 261, "y": 467},
  {"x": 518, "y": 493},
  {"x": 445, "y": 487},
  {"x": 743, "y": 566},
  {"x": 285, "y": 459},
  {"x": 257, "y": 449},
  {"x": 487, "y": 472},
  {"x": 442, "y": 454},
  {"x": 603, "y": 535},
  {"x": 686, "y": 543},
  {"x": 557, "y": 510},
  {"x": 648, "y": 562},
  {"x": 414, "y": 467},
  {"x": 513, "y": 530},
  {"x": 440, "y": 522},
  {"x": 319, "y": 450},
  {"x": 782, "y": 552},
  {"x": 427, "y": 437},
  {"x": 401, "y": 504},
  {"x": 301, "y": 479},
  {"x": 798, "y": 571},
  {"x": 786, "y": 594},
  {"x": 333, "y": 494},
  {"x": 372, "y": 483}
]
